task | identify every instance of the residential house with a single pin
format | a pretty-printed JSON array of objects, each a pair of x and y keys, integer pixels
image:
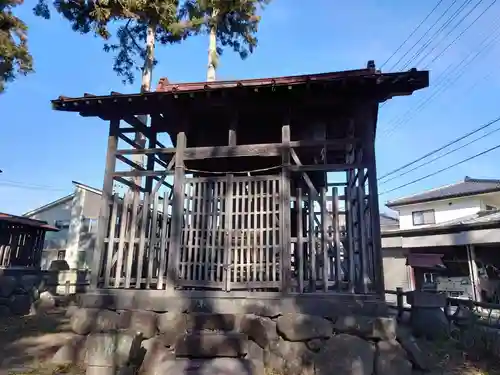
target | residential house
[
  {"x": 453, "y": 230},
  {"x": 75, "y": 215}
]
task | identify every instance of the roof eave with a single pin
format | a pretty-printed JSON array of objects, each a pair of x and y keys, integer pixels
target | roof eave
[{"x": 451, "y": 196}]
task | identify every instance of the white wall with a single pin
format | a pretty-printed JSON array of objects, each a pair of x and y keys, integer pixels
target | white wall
[{"x": 445, "y": 210}]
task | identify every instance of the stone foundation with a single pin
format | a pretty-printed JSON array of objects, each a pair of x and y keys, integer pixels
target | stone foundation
[
  {"x": 22, "y": 291},
  {"x": 208, "y": 343}
]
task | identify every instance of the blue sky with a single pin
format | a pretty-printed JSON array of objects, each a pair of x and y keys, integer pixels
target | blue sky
[{"x": 45, "y": 150}]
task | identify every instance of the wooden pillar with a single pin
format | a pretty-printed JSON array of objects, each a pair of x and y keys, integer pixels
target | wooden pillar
[
  {"x": 174, "y": 251},
  {"x": 150, "y": 164},
  {"x": 324, "y": 231},
  {"x": 228, "y": 213},
  {"x": 106, "y": 198},
  {"x": 473, "y": 273},
  {"x": 363, "y": 243},
  {"x": 299, "y": 250},
  {"x": 376, "y": 239},
  {"x": 286, "y": 259}
]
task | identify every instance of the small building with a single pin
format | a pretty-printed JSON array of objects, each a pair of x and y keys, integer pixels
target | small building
[
  {"x": 21, "y": 241},
  {"x": 250, "y": 160},
  {"x": 448, "y": 240},
  {"x": 75, "y": 216}
]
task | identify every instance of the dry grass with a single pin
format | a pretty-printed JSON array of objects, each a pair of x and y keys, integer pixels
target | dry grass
[
  {"x": 28, "y": 341},
  {"x": 449, "y": 359},
  {"x": 51, "y": 370}
]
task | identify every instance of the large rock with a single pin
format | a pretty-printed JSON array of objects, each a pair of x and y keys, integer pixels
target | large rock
[
  {"x": 156, "y": 356},
  {"x": 262, "y": 309},
  {"x": 302, "y": 327},
  {"x": 287, "y": 357},
  {"x": 391, "y": 359},
  {"x": 260, "y": 329},
  {"x": 415, "y": 353},
  {"x": 106, "y": 321},
  {"x": 112, "y": 349},
  {"x": 382, "y": 328},
  {"x": 429, "y": 322},
  {"x": 211, "y": 345},
  {"x": 83, "y": 320},
  {"x": 345, "y": 354},
  {"x": 29, "y": 283},
  {"x": 46, "y": 301},
  {"x": 210, "y": 321},
  {"x": 7, "y": 285},
  {"x": 5, "y": 311},
  {"x": 72, "y": 352},
  {"x": 20, "y": 304},
  {"x": 171, "y": 323},
  {"x": 143, "y": 322}
]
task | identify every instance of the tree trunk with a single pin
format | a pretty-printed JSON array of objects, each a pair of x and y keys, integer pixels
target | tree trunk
[
  {"x": 212, "y": 50},
  {"x": 147, "y": 75}
]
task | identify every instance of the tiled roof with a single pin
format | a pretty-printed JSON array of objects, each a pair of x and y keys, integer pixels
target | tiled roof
[
  {"x": 468, "y": 186},
  {"x": 19, "y": 220}
]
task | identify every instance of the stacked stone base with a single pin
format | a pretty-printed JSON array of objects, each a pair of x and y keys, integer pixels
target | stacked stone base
[{"x": 174, "y": 343}]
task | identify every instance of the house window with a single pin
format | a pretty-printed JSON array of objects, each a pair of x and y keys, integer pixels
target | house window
[
  {"x": 423, "y": 217},
  {"x": 89, "y": 225},
  {"x": 61, "y": 254},
  {"x": 61, "y": 224}
]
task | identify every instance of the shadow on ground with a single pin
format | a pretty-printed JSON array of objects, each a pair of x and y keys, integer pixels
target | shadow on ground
[{"x": 27, "y": 340}]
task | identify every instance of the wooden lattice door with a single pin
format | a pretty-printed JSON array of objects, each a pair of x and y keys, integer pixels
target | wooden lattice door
[{"x": 231, "y": 235}]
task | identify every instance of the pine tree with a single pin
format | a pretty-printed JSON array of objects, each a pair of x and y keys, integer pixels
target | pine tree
[
  {"x": 141, "y": 25},
  {"x": 228, "y": 23},
  {"x": 15, "y": 58}
]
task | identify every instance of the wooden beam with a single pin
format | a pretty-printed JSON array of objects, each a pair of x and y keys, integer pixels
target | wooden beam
[
  {"x": 305, "y": 176},
  {"x": 131, "y": 142},
  {"x": 130, "y": 163},
  {"x": 141, "y": 173},
  {"x": 106, "y": 199},
  {"x": 257, "y": 150},
  {"x": 323, "y": 167}
]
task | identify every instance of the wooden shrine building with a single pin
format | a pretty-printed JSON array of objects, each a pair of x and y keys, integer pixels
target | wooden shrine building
[{"x": 247, "y": 201}]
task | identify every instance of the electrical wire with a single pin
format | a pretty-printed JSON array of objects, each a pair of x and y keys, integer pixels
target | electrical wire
[
  {"x": 22, "y": 185},
  {"x": 434, "y": 36},
  {"x": 459, "y": 35},
  {"x": 412, "y": 33},
  {"x": 442, "y": 169},
  {"x": 452, "y": 29},
  {"x": 484, "y": 126},
  {"x": 424, "y": 35},
  {"x": 444, "y": 81},
  {"x": 441, "y": 156}
]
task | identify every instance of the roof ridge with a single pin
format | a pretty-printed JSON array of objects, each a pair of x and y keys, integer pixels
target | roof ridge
[
  {"x": 471, "y": 179},
  {"x": 423, "y": 192}
]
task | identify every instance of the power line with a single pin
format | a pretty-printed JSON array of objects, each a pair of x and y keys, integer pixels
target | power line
[
  {"x": 443, "y": 82},
  {"x": 434, "y": 36},
  {"x": 441, "y": 156},
  {"x": 424, "y": 35},
  {"x": 22, "y": 185},
  {"x": 440, "y": 148},
  {"x": 412, "y": 33},
  {"x": 442, "y": 170},
  {"x": 462, "y": 33}
]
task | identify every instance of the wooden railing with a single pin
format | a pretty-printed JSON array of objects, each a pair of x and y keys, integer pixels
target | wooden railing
[{"x": 488, "y": 314}]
